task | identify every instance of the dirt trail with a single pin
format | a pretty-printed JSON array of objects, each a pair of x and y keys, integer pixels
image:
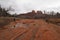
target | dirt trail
[{"x": 30, "y": 29}]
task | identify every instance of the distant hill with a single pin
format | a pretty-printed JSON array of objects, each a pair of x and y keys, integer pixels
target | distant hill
[{"x": 38, "y": 15}]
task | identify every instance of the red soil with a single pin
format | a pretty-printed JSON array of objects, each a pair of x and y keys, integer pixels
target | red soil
[{"x": 34, "y": 29}]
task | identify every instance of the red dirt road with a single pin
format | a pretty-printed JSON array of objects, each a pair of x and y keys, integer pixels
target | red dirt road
[{"x": 30, "y": 29}]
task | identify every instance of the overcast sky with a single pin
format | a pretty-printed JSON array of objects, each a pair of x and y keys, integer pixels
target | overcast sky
[{"x": 21, "y": 6}]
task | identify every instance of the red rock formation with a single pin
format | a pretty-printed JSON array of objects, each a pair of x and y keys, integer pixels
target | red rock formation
[
  {"x": 33, "y": 11},
  {"x": 39, "y": 12}
]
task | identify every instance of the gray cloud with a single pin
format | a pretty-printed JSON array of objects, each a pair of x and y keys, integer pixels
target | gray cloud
[{"x": 21, "y": 6}]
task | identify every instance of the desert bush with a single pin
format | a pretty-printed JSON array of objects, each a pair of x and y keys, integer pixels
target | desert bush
[{"x": 5, "y": 21}]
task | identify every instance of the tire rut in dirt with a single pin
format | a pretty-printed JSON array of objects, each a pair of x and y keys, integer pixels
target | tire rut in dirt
[{"x": 29, "y": 34}]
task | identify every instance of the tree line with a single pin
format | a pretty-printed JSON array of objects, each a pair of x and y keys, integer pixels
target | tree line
[{"x": 33, "y": 14}]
